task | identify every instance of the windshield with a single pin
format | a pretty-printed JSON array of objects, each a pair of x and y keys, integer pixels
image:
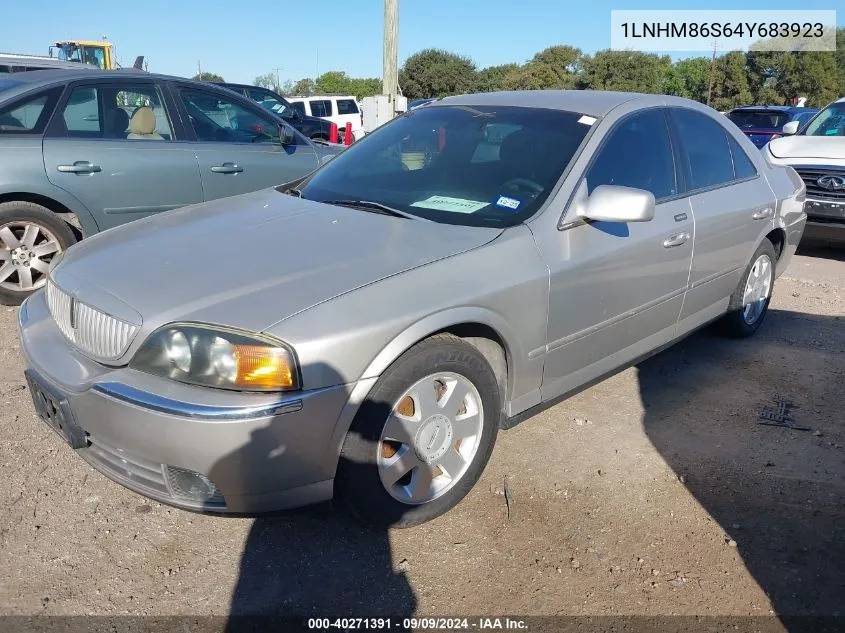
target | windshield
[
  {"x": 479, "y": 166},
  {"x": 271, "y": 102},
  {"x": 767, "y": 120},
  {"x": 828, "y": 122}
]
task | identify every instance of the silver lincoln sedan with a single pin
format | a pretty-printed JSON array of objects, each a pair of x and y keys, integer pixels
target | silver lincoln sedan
[{"x": 364, "y": 332}]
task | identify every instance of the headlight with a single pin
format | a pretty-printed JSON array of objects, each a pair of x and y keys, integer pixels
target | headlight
[{"x": 216, "y": 357}]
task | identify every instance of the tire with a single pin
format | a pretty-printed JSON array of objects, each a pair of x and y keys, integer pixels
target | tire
[
  {"x": 743, "y": 320},
  {"x": 17, "y": 218},
  {"x": 445, "y": 367}
]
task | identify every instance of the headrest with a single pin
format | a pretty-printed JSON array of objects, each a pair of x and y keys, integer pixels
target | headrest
[{"x": 143, "y": 121}]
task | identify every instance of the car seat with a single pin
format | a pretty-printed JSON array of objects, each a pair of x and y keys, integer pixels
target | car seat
[
  {"x": 115, "y": 123},
  {"x": 142, "y": 125}
]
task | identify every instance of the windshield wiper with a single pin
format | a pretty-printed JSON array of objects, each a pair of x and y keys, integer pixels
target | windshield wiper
[
  {"x": 293, "y": 191},
  {"x": 373, "y": 207}
]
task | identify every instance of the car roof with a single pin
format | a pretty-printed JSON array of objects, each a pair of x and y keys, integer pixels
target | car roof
[
  {"x": 776, "y": 108},
  {"x": 592, "y": 102}
]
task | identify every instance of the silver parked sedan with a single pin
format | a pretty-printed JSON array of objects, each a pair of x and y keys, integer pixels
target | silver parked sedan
[{"x": 364, "y": 332}]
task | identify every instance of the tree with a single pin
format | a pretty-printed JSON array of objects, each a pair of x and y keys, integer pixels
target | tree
[
  {"x": 688, "y": 78},
  {"x": 436, "y": 73},
  {"x": 494, "y": 78},
  {"x": 778, "y": 77},
  {"x": 333, "y": 82},
  {"x": 632, "y": 71},
  {"x": 365, "y": 87},
  {"x": 730, "y": 82},
  {"x": 839, "y": 57},
  {"x": 267, "y": 80},
  {"x": 303, "y": 87},
  {"x": 209, "y": 77}
]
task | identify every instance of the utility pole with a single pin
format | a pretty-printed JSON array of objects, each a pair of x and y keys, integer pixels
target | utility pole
[
  {"x": 278, "y": 83},
  {"x": 712, "y": 68},
  {"x": 199, "y": 69},
  {"x": 390, "y": 73}
]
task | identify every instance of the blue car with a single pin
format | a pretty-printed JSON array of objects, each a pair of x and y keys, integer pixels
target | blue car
[{"x": 763, "y": 123}]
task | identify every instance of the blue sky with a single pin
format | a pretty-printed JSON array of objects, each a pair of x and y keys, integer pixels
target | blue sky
[{"x": 244, "y": 38}]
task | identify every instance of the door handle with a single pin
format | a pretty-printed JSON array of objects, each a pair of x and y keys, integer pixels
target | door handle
[
  {"x": 676, "y": 239},
  {"x": 762, "y": 214},
  {"x": 227, "y": 168},
  {"x": 79, "y": 167}
]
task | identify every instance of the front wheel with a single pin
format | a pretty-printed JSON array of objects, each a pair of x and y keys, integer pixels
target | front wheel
[
  {"x": 423, "y": 436},
  {"x": 750, "y": 301}
]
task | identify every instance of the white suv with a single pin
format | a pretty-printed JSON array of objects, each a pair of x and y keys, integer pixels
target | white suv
[
  {"x": 339, "y": 109},
  {"x": 817, "y": 153}
]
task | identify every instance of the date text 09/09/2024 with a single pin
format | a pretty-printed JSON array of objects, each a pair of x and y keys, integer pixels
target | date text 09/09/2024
[
  {"x": 722, "y": 29},
  {"x": 415, "y": 624}
]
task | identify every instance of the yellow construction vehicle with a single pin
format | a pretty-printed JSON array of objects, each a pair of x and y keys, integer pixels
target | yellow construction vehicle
[{"x": 99, "y": 53}]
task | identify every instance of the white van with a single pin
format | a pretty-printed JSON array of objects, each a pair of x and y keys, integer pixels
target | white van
[{"x": 339, "y": 109}]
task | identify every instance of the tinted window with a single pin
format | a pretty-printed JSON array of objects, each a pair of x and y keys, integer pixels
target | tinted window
[
  {"x": 347, "y": 106},
  {"x": 637, "y": 154},
  {"x": 759, "y": 119},
  {"x": 220, "y": 119},
  {"x": 430, "y": 163},
  {"x": 127, "y": 112},
  {"x": 829, "y": 122},
  {"x": 706, "y": 145},
  {"x": 321, "y": 107},
  {"x": 299, "y": 107},
  {"x": 272, "y": 102},
  {"x": 30, "y": 115},
  {"x": 803, "y": 118},
  {"x": 743, "y": 167}
]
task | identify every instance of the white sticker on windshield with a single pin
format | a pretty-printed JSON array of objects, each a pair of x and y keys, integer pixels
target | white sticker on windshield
[
  {"x": 587, "y": 120},
  {"x": 445, "y": 203}
]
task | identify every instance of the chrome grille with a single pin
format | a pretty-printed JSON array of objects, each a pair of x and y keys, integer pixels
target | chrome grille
[
  {"x": 94, "y": 332},
  {"x": 810, "y": 177}
]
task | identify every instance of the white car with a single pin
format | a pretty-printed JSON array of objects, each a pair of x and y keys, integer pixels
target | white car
[
  {"x": 339, "y": 109},
  {"x": 818, "y": 155}
]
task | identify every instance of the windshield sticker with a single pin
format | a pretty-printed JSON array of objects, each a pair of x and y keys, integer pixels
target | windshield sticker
[
  {"x": 587, "y": 120},
  {"x": 832, "y": 132},
  {"x": 445, "y": 203},
  {"x": 508, "y": 203}
]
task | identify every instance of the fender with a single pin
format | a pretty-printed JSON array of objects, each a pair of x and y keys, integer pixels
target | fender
[{"x": 49, "y": 190}]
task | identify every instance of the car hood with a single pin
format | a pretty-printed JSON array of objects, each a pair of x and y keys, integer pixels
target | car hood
[
  {"x": 808, "y": 147},
  {"x": 249, "y": 261}
]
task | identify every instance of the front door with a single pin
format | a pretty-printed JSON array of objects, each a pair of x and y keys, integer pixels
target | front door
[
  {"x": 617, "y": 288},
  {"x": 237, "y": 147},
  {"x": 112, "y": 146}
]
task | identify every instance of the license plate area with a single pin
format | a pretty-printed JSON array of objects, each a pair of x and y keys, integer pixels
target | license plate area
[{"x": 53, "y": 409}]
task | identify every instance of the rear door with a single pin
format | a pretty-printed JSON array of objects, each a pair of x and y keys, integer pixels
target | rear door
[
  {"x": 733, "y": 207},
  {"x": 237, "y": 144},
  {"x": 88, "y": 151}
]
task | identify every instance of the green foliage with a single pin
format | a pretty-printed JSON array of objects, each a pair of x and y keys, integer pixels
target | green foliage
[
  {"x": 631, "y": 71},
  {"x": 303, "y": 87},
  {"x": 730, "y": 82},
  {"x": 208, "y": 77},
  {"x": 266, "y": 81},
  {"x": 338, "y": 82},
  {"x": 436, "y": 73},
  {"x": 688, "y": 78},
  {"x": 494, "y": 78}
]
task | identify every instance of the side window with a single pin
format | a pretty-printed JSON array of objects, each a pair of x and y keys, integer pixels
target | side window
[
  {"x": 298, "y": 106},
  {"x": 321, "y": 107},
  {"x": 347, "y": 106},
  {"x": 30, "y": 115},
  {"x": 127, "y": 112},
  {"x": 271, "y": 102},
  {"x": 216, "y": 118},
  {"x": 637, "y": 154},
  {"x": 743, "y": 167},
  {"x": 706, "y": 145}
]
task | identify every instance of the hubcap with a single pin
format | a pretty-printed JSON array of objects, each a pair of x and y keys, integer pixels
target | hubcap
[
  {"x": 757, "y": 289},
  {"x": 26, "y": 250},
  {"x": 430, "y": 438}
]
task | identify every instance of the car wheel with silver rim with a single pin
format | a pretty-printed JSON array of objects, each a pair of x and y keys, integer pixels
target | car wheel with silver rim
[
  {"x": 423, "y": 436},
  {"x": 31, "y": 237},
  {"x": 750, "y": 301}
]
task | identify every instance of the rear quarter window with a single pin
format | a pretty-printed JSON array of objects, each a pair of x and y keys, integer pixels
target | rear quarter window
[
  {"x": 347, "y": 106},
  {"x": 30, "y": 114},
  {"x": 705, "y": 143}
]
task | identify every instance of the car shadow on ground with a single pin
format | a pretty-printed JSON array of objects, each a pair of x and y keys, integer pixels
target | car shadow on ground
[
  {"x": 313, "y": 562},
  {"x": 823, "y": 246},
  {"x": 777, "y": 492}
]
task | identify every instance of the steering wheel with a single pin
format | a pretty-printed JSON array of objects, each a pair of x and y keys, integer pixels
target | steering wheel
[{"x": 524, "y": 184}]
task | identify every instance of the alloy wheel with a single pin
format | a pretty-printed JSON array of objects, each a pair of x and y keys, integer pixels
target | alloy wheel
[
  {"x": 26, "y": 250},
  {"x": 757, "y": 289}
]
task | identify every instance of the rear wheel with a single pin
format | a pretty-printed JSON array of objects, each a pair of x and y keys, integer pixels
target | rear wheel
[
  {"x": 31, "y": 236},
  {"x": 422, "y": 437},
  {"x": 750, "y": 301}
]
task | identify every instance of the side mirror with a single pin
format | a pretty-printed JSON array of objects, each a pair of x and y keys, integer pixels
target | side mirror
[
  {"x": 286, "y": 135},
  {"x": 791, "y": 127},
  {"x": 611, "y": 203}
]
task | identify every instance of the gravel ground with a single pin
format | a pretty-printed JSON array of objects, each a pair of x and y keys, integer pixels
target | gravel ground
[{"x": 657, "y": 491}]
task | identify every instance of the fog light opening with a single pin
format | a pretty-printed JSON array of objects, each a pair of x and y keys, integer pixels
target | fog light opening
[{"x": 192, "y": 486}]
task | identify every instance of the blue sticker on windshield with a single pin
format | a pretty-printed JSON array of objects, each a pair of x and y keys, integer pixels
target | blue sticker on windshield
[{"x": 508, "y": 203}]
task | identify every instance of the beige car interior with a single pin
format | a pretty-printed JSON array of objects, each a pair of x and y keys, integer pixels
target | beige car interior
[{"x": 142, "y": 125}]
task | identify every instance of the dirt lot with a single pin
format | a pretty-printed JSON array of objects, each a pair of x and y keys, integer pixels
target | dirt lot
[{"x": 657, "y": 491}]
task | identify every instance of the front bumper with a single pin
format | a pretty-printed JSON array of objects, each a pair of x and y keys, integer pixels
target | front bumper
[
  {"x": 262, "y": 452},
  {"x": 825, "y": 212}
]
